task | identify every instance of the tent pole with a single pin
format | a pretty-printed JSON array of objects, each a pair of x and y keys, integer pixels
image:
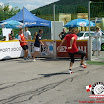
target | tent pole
[{"x": 23, "y": 20}]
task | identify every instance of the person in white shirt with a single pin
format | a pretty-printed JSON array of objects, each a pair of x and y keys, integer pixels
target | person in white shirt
[
  {"x": 27, "y": 34},
  {"x": 97, "y": 41}
]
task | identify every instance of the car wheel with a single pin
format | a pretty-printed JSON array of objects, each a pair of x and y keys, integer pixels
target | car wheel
[{"x": 102, "y": 47}]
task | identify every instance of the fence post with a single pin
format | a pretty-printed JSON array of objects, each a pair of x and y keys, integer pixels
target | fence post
[
  {"x": 90, "y": 48},
  {"x": 54, "y": 40}
]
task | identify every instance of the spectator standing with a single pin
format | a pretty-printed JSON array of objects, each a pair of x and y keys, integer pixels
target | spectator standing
[
  {"x": 62, "y": 34},
  {"x": 35, "y": 34},
  {"x": 27, "y": 34},
  {"x": 97, "y": 41}
]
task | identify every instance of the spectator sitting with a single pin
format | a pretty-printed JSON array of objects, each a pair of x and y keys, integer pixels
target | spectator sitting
[
  {"x": 4, "y": 38},
  {"x": 10, "y": 35},
  {"x": 14, "y": 38}
]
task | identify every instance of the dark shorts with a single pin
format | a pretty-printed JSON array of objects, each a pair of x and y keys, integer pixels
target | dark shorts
[
  {"x": 25, "y": 47},
  {"x": 82, "y": 53}
]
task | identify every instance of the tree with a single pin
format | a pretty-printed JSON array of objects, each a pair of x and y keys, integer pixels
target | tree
[
  {"x": 97, "y": 0},
  {"x": 6, "y": 12},
  {"x": 81, "y": 9},
  {"x": 37, "y": 12}
]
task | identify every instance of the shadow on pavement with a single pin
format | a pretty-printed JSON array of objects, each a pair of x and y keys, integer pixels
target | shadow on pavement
[
  {"x": 52, "y": 74},
  {"x": 58, "y": 59}
]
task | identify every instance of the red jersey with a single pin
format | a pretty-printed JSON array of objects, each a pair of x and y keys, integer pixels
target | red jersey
[
  {"x": 23, "y": 39},
  {"x": 74, "y": 46}
]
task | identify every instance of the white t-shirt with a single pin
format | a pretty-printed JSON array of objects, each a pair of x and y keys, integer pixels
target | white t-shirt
[{"x": 27, "y": 33}]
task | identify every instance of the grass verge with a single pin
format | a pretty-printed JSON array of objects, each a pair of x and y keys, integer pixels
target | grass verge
[{"x": 95, "y": 62}]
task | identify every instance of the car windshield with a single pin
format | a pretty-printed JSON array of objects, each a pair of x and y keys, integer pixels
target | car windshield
[
  {"x": 87, "y": 34},
  {"x": 80, "y": 34}
]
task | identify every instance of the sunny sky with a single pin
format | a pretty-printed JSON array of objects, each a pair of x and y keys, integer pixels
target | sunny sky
[{"x": 29, "y": 4}]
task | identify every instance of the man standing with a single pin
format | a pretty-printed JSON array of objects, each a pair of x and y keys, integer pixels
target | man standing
[
  {"x": 62, "y": 34},
  {"x": 37, "y": 43},
  {"x": 23, "y": 43},
  {"x": 27, "y": 34},
  {"x": 72, "y": 48}
]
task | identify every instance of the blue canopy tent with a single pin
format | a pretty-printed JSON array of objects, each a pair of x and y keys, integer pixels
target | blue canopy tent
[{"x": 29, "y": 19}]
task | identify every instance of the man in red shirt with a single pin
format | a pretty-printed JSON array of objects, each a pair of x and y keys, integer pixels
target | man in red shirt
[
  {"x": 23, "y": 43},
  {"x": 72, "y": 48}
]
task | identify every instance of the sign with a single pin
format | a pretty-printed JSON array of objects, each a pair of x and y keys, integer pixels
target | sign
[
  {"x": 45, "y": 51},
  {"x": 82, "y": 45},
  {"x": 10, "y": 50}
]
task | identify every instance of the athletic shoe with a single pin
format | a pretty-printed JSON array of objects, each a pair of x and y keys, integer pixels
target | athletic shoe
[
  {"x": 83, "y": 65},
  {"x": 34, "y": 60},
  {"x": 70, "y": 71},
  {"x": 25, "y": 59}
]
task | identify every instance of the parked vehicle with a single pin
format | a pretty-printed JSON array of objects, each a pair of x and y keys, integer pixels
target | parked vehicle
[{"x": 84, "y": 35}]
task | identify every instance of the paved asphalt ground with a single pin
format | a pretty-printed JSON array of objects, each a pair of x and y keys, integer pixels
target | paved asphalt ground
[{"x": 46, "y": 81}]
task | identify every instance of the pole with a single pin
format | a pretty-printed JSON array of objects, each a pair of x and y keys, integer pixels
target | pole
[
  {"x": 97, "y": 40},
  {"x": 89, "y": 15},
  {"x": 54, "y": 41},
  {"x": 23, "y": 20},
  {"x": 90, "y": 37},
  {"x": 54, "y": 20}
]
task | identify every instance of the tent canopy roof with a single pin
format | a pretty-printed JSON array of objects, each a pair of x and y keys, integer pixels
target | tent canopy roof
[{"x": 29, "y": 19}]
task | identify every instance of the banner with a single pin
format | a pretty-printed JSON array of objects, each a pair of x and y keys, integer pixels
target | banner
[
  {"x": 10, "y": 50},
  {"x": 82, "y": 45},
  {"x": 45, "y": 51}
]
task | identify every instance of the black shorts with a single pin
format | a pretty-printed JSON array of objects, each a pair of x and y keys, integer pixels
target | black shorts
[
  {"x": 83, "y": 54},
  {"x": 25, "y": 47}
]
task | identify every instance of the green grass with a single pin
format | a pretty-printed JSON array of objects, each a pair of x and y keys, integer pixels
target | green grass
[{"x": 95, "y": 62}]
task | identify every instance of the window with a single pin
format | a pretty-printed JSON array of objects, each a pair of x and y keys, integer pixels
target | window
[
  {"x": 80, "y": 34},
  {"x": 86, "y": 34}
]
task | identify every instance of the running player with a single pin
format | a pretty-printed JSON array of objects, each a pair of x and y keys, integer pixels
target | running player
[
  {"x": 23, "y": 44},
  {"x": 72, "y": 48},
  {"x": 37, "y": 43}
]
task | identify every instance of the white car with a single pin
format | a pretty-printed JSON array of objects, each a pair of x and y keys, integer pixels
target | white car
[{"x": 84, "y": 35}]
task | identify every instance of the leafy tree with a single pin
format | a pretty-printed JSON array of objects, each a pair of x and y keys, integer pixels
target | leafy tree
[
  {"x": 81, "y": 9},
  {"x": 6, "y": 12},
  {"x": 37, "y": 12},
  {"x": 97, "y": 0}
]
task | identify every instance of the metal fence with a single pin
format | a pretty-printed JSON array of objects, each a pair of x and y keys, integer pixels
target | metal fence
[{"x": 96, "y": 14}]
